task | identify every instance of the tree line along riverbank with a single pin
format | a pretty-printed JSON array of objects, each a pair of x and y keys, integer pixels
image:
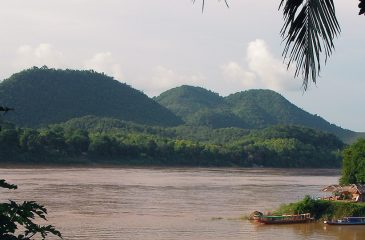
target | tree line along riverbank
[{"x": 104, "y": 140}]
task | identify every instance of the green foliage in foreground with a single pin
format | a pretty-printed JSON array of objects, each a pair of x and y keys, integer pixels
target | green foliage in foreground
[
  {"x": 95, "y": 140},
  {"x": 323, "y": 209},
  {"x": 18, "y": 221},
  {"x": 353, "y": 170}
]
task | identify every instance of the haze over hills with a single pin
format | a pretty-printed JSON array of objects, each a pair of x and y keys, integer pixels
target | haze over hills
[
  {"x": 43, "y": 96},
  {"x": 253, "y": 109}
]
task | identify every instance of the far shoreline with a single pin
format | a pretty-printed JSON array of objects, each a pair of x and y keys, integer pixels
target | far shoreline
[{"x": 334, "y": 171}]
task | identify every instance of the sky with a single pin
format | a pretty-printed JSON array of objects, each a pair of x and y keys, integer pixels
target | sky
[{"x": 157, "y": 45}]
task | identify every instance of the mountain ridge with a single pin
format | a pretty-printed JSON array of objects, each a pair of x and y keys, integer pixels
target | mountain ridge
[
  {"x": 259, "y": 108},
  {"x": 44, "y": 96}
]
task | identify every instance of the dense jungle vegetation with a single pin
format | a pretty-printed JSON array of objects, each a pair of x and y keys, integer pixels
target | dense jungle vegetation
[
  {"x": 104, "y": 140},
  {"x": 353, "y": 169}
]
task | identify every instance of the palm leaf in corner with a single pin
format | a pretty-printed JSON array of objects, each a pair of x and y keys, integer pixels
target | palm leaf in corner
[
  {"x": 203, "y": 3},
  {"x": 362, "y": 7},
  {"x": 309, "y": 29}
]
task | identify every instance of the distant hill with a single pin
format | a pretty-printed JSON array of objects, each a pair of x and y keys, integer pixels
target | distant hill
[
  {"x": 186, "y": 100},
  {"x": 270, "y": 108},
  {"x": 253, "y": 109},
  {"x": 199, "y": 106},
  {"x": 43, "y": 96}
]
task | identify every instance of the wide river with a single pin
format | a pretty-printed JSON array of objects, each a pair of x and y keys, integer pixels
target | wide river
[{"x": 172, "y": 203}]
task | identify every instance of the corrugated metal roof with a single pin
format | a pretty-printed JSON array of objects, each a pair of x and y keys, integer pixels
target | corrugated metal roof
[
  {"x": 332, "y": 188},
  {"x": 353, "y": 188}
]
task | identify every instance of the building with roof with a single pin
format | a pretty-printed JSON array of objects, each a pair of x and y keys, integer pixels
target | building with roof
[{"x": 353, "y": 192}]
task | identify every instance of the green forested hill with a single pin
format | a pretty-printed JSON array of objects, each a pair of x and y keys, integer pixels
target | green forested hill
[
  {"x": 87, "y": 117},
  {"x": 253, "y": 109},
  {"x": 271, "y": 108},
  {"x": 43, "y": 96},
  {"x": 187, "y": 100},
  {"x": 198, "y": 106}
]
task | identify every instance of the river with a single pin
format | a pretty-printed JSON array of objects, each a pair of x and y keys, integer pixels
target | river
[{"x": 172, "y": 203}]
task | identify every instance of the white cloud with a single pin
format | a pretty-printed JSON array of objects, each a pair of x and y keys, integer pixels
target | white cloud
[
  {"x": 271, "y": 70},
  {"x": 263, "y": 70},
  {"x": 43, "y": 54},
  {"x": 233, "y": 73},
  {"x": 164, "y": 78},
  {"x": 105, "y": 62}
]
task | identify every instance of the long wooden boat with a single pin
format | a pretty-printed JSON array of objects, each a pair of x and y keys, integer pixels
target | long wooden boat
[
  {"x": 285, "y": 219},
  {"x": 347, "y": 221}
]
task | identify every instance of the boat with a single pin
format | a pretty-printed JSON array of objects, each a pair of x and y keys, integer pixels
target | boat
[
  {"x": 285, "y": 219},
  {"x": 255, "y": 215},
  {"x": 347, "y": 221}
]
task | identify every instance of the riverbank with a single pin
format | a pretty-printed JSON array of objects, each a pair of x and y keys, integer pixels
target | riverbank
[
  {"x": 323, "y": 209},
  {"x": 139, "y": 161}
]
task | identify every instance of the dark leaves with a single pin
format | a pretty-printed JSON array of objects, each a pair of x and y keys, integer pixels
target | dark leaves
[
  {"x": 43, "y": 231},
  {"x": 362, "y": 7},
  {"x": 309, "y": 29},
  {"x": 16, "y": 217},
  {"x": 6, "y": 109},
  {"x": 4, "y": 184}
]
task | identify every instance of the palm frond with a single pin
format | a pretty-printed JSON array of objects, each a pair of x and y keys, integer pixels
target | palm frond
[
  {"x": 362, "y": 7},
  {"x": 203, "y": 3},
  {"x": 309, "y": 29}
]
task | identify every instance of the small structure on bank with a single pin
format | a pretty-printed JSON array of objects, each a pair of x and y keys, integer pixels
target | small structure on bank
[{"x": 353, "y": 192}]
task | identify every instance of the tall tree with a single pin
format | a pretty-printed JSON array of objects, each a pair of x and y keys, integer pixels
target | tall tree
[{"x": 353, "y": 169}]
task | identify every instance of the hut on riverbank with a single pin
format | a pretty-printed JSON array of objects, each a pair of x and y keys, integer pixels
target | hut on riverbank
[{"x": 353, "y": 192}]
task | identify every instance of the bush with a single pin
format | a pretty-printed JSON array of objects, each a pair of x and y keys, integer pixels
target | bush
[
  {"x": 17, "y": 221},
  {"x": 323, "y": 209}
]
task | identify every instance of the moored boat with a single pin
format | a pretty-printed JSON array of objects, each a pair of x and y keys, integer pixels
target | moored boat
[
  {"x": 347, "y": 221},
  {"x": 285, "y": 219},
  {"x": 255, "y": 215}
]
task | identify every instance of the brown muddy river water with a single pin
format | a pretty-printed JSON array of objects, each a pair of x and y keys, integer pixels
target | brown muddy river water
[{"x": 174, "y": 203}]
